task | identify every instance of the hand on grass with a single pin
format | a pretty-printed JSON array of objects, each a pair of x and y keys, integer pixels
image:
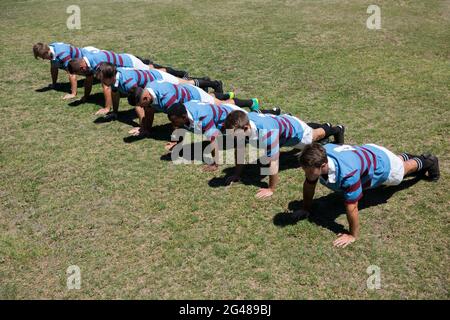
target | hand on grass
[
  {"x": 210, "y": 167},
  {"x": 102, "y": 111},
  {"x": 170, "y": 145},
  {"x": 343, "y": 240},
  {"x": 138, "y": 131},
  {"x": 69, "y": 96},
  {"x": 264, "y": 193}
]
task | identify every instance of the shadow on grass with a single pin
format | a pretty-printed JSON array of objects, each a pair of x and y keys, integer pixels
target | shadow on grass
[
  {"x": 188, "y": 152},
  {"x": 252, "y": 172},
  {"x": 251, "y": 176},
  {"x": 96, "y": 98},
  {"x": 160, "y": 132},
  {"x": 61, "y": 87},
  {"x": 126, "y": 117},
  {"x": 65, "y": 86},
  {"x": 328, "y": 208}
]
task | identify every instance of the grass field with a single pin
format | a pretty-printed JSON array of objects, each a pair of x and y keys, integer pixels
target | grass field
[{"x": 77, "y": 192}]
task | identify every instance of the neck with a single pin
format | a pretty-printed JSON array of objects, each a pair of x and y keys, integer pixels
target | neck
[{"x": 324, "y": 170}]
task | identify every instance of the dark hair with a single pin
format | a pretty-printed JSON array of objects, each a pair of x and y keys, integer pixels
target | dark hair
[
  {"x": 74, "y": 65},
  {"x": 313, "y": 156},
  {"x": 177, "y": 110},
  {"x": 135, "y": 95},
  {"x": 39, "y": 49},
  {"x": 106, "y": 69},
  {"x": 237, "y": 119}
]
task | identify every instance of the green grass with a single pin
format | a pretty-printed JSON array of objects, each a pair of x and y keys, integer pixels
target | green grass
[{"x": 73, "y": 192}]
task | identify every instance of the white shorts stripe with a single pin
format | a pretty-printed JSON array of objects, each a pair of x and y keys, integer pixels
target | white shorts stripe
[
  {"x": 168, "y": 77},
  {"x": 138, "y": 64},
  {"x": 307, "y": 134},
  {"x": 397, "y": 169},
  {"x": 204, "y": 96}
]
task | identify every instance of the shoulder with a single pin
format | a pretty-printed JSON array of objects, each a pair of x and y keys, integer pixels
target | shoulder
[
  {"x": 162, "y": 84},
  {"x": 124, "y": 71},
  {"x": 191, "y": 105},
  {"x": 338, "y": 149},
  {"x": 155, "y": 84},
  {"x": 255, "y": 116},
  {"x": 262, "y": 121},
  {"x": 86, "y": 52}
]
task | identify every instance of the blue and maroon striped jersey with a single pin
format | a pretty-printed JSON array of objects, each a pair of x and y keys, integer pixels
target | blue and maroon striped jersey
[
  {"x": 167, "y": 93},
  {"x": 95, "y": 57},
  {"x": 127, "y": 78},
  {"x": 275, "y": 131},
  {"x": 354, "y": 168},
  {"x": 63, "y": 53},
  {"x": 208, "y": 117}
]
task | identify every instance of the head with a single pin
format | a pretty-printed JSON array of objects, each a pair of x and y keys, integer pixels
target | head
[
  {"x": 314, "y": 161},
  {"x": 238, "y": 122},
  {"x": 177, "y": 114},
  {"x": 140, "y": 97},
  {"x": 106, "y": 73},
  {"x": 42, "y": 50},
  {"x": 78, "y": 66}
]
